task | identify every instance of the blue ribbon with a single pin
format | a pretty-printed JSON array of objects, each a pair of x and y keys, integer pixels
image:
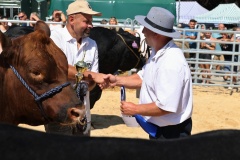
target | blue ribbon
[
  {"x": 123, "y": 94},
  {"x": 148, "y": 127}
]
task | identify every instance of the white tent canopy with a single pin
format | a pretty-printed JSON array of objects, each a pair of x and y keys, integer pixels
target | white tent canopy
[
  {"x": 188, "y": 10},
  {"x": 223, "y": 13}
]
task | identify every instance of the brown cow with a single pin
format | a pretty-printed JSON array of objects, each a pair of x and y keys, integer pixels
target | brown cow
[{"x": 33, "y": 82}]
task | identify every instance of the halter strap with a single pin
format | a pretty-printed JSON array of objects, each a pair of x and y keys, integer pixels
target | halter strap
[{"x": 42, "y": 97}]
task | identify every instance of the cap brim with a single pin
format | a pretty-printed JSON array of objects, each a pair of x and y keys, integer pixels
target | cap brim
[
  {"x": 174, "y": 34},
  {"x": 94, "y": 13}
]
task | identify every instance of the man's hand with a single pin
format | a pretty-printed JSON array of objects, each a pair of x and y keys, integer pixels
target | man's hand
[
  {"x": 33, "y": 17},
  {"x": 109, "y": 80},
  {"x": 128, "y": 108},
  {"x": 71, "y": 73}
]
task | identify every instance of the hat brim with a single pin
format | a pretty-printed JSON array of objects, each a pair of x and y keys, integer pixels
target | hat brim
[
  {"x": 174, "y": 34},
  {"x": 93, "y": 13}
]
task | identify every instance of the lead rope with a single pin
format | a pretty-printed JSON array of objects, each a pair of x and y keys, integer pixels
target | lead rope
[
  {"x": 82, "y": 126},
  {"x": 81, "y": 91},
  {"x": 138, "y": 58},
  {"x": 146, "y": 49}
]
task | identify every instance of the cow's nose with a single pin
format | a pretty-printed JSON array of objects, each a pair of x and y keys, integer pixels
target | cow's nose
[{"x": 77, "y": 114}]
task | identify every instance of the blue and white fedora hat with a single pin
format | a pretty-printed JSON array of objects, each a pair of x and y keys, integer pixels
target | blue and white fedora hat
[{"x": 159, "y": 20}]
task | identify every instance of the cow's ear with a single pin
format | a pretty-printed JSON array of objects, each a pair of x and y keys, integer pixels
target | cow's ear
[
  {"x": 4, "y": 42},
  {"x": 41, "y": 25}
]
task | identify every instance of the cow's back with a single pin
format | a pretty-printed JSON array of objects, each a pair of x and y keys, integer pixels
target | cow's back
[{"x": 20, "y": 143}]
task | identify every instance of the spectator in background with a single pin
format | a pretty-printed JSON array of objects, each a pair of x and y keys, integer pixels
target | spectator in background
[
  {"x": 221, "y": 27},
  {"x": 232, "y": 58},
  {"x": 57, "y": 16},
  {"x": 227, "y": 57},
  {"x": 4, "y": 26},
  {"x": 203, "y": 27},
  {"x": 218, "y": 57},
  {"x": 114, "y": 21},
  {"x": 34, "y": 17},
  {"x": 207, "y": 45},
  {"x": 104, "y": 21},
  {"x": 191, "y": 35},
  {"x": 23, "y": 17}
]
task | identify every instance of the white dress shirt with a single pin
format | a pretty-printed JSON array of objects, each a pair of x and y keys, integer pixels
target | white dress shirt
[{"x": 167, "y": 82}]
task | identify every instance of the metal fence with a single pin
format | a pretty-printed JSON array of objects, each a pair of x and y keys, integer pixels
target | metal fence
[
  {"x": 125, "y": 24},
  {"x": 216, "y": 75}
]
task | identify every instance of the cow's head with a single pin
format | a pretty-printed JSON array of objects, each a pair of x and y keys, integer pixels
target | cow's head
[{"x": 43, "y": 66}]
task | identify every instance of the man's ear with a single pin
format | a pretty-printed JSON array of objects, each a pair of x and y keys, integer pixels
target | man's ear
[{"x": 71, "y": 18}]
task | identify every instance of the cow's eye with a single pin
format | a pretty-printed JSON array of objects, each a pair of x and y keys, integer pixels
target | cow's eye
[
  {"x": 37, "y": 76},
  {"x": 36, "y": 73}
]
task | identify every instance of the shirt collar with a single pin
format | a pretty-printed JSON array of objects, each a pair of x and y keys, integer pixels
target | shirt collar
[
  {"x": 163, "y": 50},
  {"x": 67, "y": 35}
]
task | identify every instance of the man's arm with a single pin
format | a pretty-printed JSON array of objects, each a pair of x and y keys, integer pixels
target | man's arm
[
  {"x": 150, "y": 109},
  {"x": 132, "y": 82}
]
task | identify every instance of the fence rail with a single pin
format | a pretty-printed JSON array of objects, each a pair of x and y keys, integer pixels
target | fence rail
[{"x": 216, "y": 75}]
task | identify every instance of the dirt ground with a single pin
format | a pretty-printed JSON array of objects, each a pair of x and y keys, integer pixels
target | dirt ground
[{"x": 214, "y": 108}]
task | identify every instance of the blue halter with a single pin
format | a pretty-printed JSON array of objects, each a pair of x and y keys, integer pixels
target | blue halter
[{"x": 45, "y": 95}]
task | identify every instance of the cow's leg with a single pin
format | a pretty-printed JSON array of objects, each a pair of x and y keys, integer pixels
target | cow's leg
[{"x": 95, "y": 95}]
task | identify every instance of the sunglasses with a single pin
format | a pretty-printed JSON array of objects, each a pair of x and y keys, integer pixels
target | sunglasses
[{"x": 21, "y": 17}]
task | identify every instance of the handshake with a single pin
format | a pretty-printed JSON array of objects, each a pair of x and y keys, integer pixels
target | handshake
[{"x": 103, "y": 80}]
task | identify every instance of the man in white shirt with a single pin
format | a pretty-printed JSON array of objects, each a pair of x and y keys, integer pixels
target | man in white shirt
[
  {"x": 165, "y": 81},
  {"x": 73, "y": 40}
]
